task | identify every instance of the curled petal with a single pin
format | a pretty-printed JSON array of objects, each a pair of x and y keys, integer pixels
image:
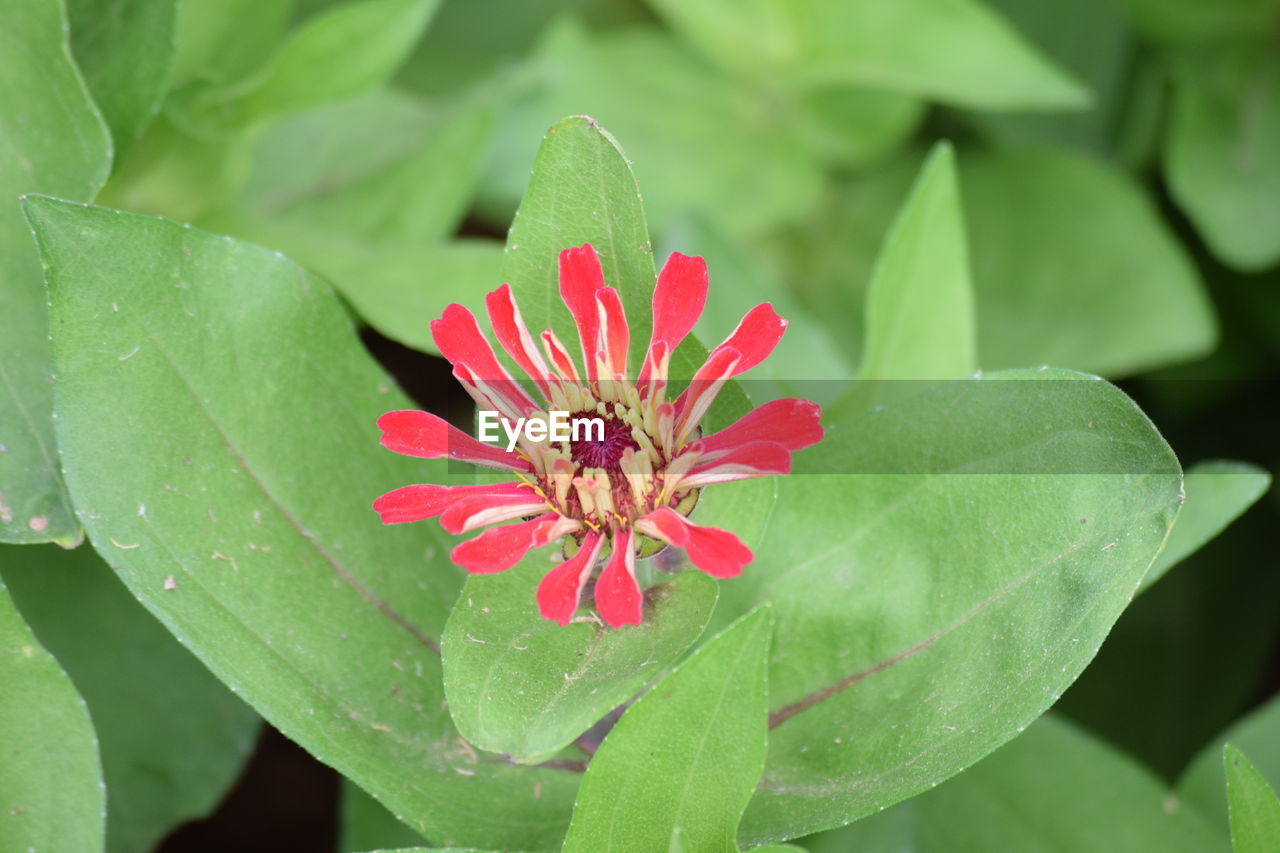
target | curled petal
[
  {"x": 753, "y": 459},
  {"x": 508, "y": 325},
  {"x": 755, "y": 337},
  {"x": 791, "y": 422},
  {"x": 480, "y": 510},
  {"x": 559, "y": 356},
  {"x": 499, "y": 548},
  {"x": 615, "y": 337},
  {"x": 678, "y": 298},
  {"x": 580, "y": 277},
  {"x": 717, "y": 552},
  {"x": 422, "y": 434},
  {"x": 458, "y": 336},
  {"x": 703, "y": 388},
  {"x": 618, "y": 597},
  {"x": 427, "y": 500},
  {"x": 561, "y": 588}
]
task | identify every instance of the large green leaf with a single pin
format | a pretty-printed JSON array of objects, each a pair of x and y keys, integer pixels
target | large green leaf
[
  {"x": 919, "y": 318},
  {"x": 1053, "y": 788},
  {"x": 955, "y": 51},
  {"x": 1217, "y": 493},
  {"x": 1054, "y": 284},
  {"x": 1254, "y": 806},
  {"x": 172, "y": 738},
  {"x": 51, "y": 795},
  {"x": 521, "y": 685},
  {"x": 678, "y": 768},
  {"x": 676, "y": 115},
  {"x": 217, "y": 421},
  {"x": 1203, "y": 785},
  {"x": 1222, "y": 153},
  {"x": 952, "y": 567},
  {"x": 125, "y": 49},
  {"x": 54, "y": 141}
]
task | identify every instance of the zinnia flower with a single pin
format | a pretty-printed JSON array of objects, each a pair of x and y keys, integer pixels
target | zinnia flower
[{"x": 611, "y": 497}]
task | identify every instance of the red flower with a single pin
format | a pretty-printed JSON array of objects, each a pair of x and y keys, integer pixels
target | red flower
[{"x": 624, "y": 491}]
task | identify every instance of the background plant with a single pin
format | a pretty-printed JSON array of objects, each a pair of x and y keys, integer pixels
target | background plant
[{"x": 1107, "y": 203}]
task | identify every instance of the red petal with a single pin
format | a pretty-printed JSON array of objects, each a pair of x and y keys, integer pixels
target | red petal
[
  {"x": 458, "y": 336},
  {"x": 559, "y": 355},
  {"x": 497, "y": 549},
  {"x": 480, "y": 510},
  {"x": 790, "y": 422},
  {"x": 561, "y": 588},
  {"x": 703, "y": 388},
  {"x": 427, "y": 500},
  {"x": 717, "y": 552},
  {"x": 422, "y": 434},
  {"x": 678, "y": 299},
  {"x": 753, "y": 459},
  {"x": 755, "y": 337},
  {"x": 618, "y": 597},
  {"x": 508, "y": 325},
  {"x": 615, "y": 336},
  {"x": 580, "y": 277}
]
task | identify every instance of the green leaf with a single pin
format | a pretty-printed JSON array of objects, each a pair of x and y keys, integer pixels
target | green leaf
[
  {"x": 399, "y": 291},
  {"x": 677, "y": 115},
  {"x": 1222, "y": 153},
  {"x": 365, "y": 824},
  {"x": 741, "y": 279},
  {"x": 954, "y": 51},
  {"x": 1084, "y": 796},
  {"x": 417, "y": 196},
  {"x": 943, "y": 598},
  {"x": 1218, "y": 492},
  {"x": 1031, "y": 216},
  {"x": 54, "y": 141},
  {"x": 919, "y": 319},
  {"x": 678, "y": 768},
  {"x": 1054, "y": 284},
  {"x": 342, "y": 52},
  {"x": 1203, "y": 785},
  {"x": 1091, "y": 40},
  {"x": 582, "y": 191},
  {"x": 125, "y": 50},
  {"x": 51, "y": 794},
  {"x": 853, "y": 126},
  {"x": 172, "y": 738},
  {"x": 521, "y": 685},
  {"x": 216, "y": 415},
  {"x": 1192, "y": 21},
  {"x": 223, "y": 41},
  {"x": 1254, "y": 806}
]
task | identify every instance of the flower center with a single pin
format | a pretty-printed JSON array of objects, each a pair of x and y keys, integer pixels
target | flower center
[{"x": 607, "y": 452}]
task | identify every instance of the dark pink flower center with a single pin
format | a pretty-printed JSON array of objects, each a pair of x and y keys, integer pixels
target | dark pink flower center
[{"x": 606, "y": 453}]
